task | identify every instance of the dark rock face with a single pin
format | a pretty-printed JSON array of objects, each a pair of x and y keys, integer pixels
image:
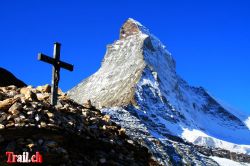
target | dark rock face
[
  {"x": 68, "y": 134},
  {"x": 7, "y": 78}
]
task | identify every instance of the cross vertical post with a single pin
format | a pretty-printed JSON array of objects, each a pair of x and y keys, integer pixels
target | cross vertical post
[
  {"x": 57, "y": 64},
  {"x": 55, "y": 73}
]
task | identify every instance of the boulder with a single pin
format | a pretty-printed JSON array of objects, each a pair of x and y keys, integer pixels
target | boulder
[
  {"x": 5, "y": 104},
  {"x": 46, "y": 88}
]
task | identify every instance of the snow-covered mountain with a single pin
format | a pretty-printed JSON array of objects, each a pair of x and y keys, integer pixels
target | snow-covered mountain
[{"x": 138, "y": 86}]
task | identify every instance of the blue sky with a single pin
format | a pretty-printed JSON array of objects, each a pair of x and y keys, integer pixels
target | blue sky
[{"x": 210, "y": 39}]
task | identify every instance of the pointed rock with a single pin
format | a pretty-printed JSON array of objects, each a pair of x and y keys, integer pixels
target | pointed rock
[
  {"x": 137, "y": 85},
  {"x": 130, "y": 27}
]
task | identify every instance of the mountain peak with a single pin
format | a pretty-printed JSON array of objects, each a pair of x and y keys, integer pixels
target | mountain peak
[
  {"x": 137, "y": 85},
  {"x": 130, "y": 27}
]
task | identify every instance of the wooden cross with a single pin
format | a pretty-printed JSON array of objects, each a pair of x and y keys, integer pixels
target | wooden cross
[{"x": 57, "y": 64}]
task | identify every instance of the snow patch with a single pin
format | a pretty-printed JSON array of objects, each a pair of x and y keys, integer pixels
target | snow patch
[
  {"x": 227, "y": 162},
  {"x": 200, "y": 138}
]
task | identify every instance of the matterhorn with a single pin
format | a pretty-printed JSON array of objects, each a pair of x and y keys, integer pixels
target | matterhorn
[{"x": 138, "y": 87}]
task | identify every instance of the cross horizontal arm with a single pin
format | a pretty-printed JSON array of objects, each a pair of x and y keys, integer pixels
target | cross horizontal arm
[
  {"x": 66, "y": 66},
  {"x": 52, "y": 61},
  {"x": 46, "y": 58}
]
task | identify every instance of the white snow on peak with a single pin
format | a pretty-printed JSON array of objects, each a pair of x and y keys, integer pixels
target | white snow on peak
[
  {"x": 155, "y": 41},
  {"x": 134, "y": 21},
  {"x": 142, "y": 28}
]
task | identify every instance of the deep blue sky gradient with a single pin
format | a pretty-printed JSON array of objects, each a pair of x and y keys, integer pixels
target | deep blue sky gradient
[{"x": 209, "y": 39}]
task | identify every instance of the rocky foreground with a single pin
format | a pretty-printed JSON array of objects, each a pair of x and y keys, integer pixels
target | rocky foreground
[{"x": 68, "y": 134}]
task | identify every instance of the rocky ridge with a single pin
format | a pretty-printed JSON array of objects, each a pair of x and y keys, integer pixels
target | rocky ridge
[
  {"x": 7, "y": 78},
  {"x": 68, "y": 134}
]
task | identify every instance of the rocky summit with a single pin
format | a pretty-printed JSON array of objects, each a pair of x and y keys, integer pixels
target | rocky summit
[
  {"x": 138, "y": 87},
  {"x": 67, "y": 134}
]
